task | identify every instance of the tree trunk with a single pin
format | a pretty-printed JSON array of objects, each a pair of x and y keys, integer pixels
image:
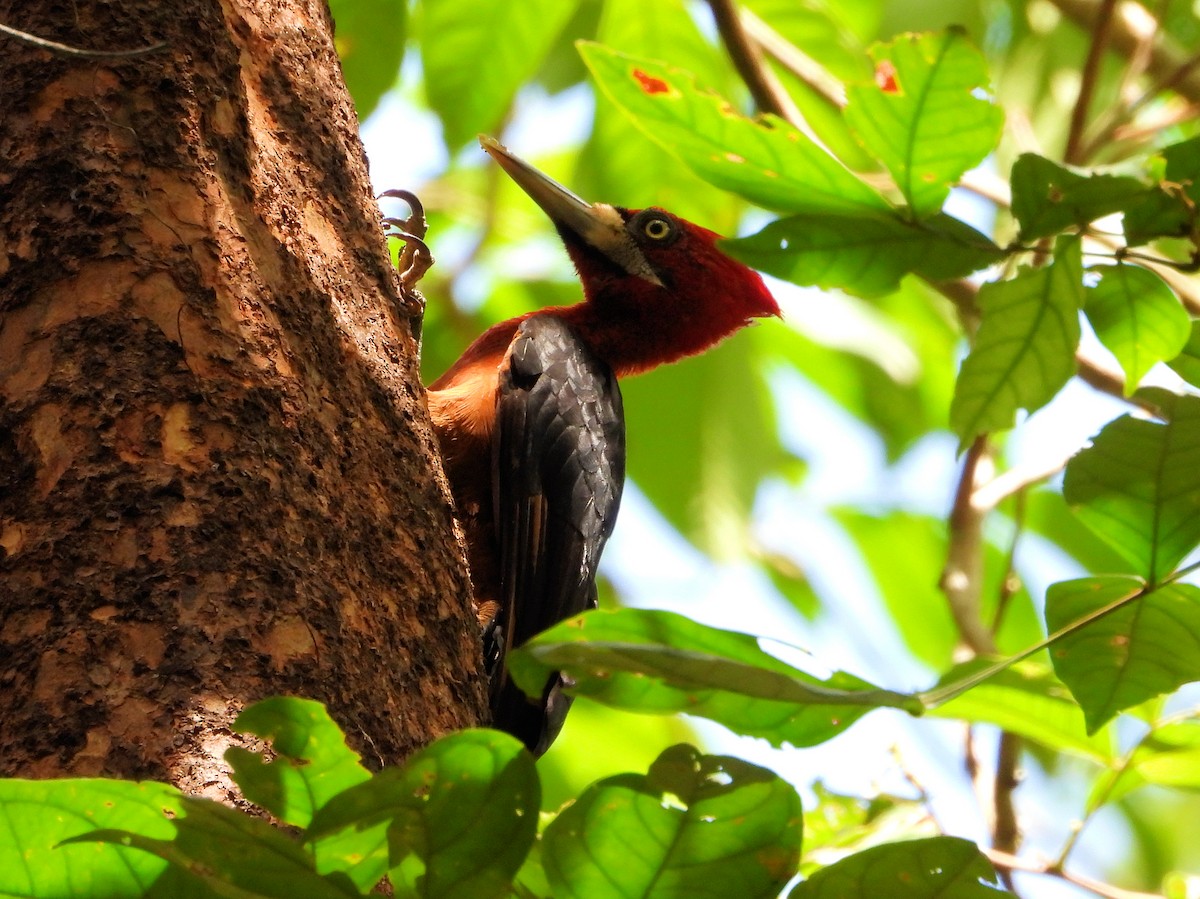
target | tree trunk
[{"x": 217, "y": 477}]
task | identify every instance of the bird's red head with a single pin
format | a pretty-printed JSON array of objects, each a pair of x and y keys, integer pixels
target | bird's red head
[{"x": 657, "y": 287}]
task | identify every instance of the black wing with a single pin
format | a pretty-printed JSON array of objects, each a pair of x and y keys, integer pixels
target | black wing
[{"x": 558, "y": 467}]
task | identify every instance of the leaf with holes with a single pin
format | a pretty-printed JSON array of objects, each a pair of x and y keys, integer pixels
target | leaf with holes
[
  {"x": 695, "y": 825},
  {"x": 946, "y": 867},
  {"x": 926, "y": 117},
  {"x": 765, "y": 160},
  {"x": 1147, "y": 647},
  {"x": 864, "y": 255},
  {"x": 1137, "y": 316},
  {"x": 1025, "y": 349},
  {"x": 1138, "y": 486}
]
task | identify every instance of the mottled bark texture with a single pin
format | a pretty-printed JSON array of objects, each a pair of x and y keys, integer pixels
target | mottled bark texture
[{"x": 217, "y": 479}]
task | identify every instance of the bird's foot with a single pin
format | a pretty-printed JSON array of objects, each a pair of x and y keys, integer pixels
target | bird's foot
[{"x": 415, "y": 259}]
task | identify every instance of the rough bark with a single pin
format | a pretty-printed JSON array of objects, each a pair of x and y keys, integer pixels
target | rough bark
[{"x": 217, "y": 479}]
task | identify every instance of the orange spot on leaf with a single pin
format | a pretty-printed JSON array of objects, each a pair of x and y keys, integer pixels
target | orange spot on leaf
[
  {"x": 885, "y": 77},
  {"x": 650, "y": 84}
]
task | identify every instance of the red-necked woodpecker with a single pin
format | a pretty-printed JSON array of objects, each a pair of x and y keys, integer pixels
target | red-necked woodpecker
[{"x": 530, "y": 424}]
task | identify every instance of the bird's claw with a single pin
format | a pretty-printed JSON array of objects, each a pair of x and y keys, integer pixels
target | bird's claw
[{"x": 415, "y": 259}]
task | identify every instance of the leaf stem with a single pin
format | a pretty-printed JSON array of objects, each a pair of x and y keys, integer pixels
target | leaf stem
[{"x": 939, "y": 696}]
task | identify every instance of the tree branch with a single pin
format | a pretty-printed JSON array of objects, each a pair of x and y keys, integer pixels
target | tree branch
[
  {"x": 768, "y": 93},
  {"x": 1087, "y": 84},
  {"x": 1167, "y": 59}
]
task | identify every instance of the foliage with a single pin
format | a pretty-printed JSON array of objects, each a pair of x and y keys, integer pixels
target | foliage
[{"x": 956, "y": 304}]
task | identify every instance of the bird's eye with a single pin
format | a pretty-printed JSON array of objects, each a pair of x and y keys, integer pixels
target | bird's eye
[{"x": 658, "y": 228}]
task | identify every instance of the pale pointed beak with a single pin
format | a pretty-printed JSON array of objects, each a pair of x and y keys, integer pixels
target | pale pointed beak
[
  {"x": 564, "y": 207},
  {"x": 598, "y": 225}
]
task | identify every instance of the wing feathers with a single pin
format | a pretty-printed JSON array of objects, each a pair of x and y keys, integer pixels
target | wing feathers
[{"x": 558, "y": 471}]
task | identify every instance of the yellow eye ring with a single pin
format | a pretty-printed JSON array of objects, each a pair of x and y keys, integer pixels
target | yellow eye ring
[{"x": 657, "y": 229}]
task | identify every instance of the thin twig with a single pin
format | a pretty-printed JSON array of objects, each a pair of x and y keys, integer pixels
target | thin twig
[
  {"x": 1006, "y": 832},
  {"x": 1087, "y": 84},
  {"x": 962, "y": 575},
  {"x": 795, "y": 60},
  {"x": 1014, "y": 863},
  {"x": 67, "y": 50},
  {"x": 1014, "y": 482},
  {"x": 1166, "y": 56},
  {"x": 768, "y": 93}
]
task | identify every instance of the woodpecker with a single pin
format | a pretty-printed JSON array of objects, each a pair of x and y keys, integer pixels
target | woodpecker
[{"x": 530, "y": 423}]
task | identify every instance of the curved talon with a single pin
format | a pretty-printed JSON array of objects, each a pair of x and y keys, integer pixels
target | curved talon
[{"x": 416, "y": 222}]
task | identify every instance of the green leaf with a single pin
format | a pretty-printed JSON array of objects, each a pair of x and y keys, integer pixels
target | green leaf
[
  {"x": 1048, "y": 198},
  {"x": 233, "y": 854},
  {"x": 661, "y": 662},
  {"x": 945, "y": 867},
  {"x": 1027, "y": 699},
  {"x": 1168, "y": 756},
  {"x": 695, "y": 825},
  {"x": 1158, "y": 213},
  {"x": 619, "y": 163},
  {"x": 1138, "y": 487},
  {"x": 311, "y": 760},
  {"x": 1137, "y": 316},
  {"x": 1025, "y": 349},
  {"x": 38, "y": 816},
  {"x": 1145, "y": 648},
  {"x": 461, "y": 816},
  {"x": 843, "y": 823},
  {"x": 369, "y": 36},
  {"x": 1187, "y": 363},
  {"x": 924, "y": 116},
  {"x": 864, "y": 255},
  {"x": 1170, "y": 209},
  {"x": 476, "y": 56},
  {"x": 765, "y": 160}
]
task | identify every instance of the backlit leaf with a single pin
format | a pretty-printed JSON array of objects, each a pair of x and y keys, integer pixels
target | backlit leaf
[
  {"x": 765, "y": 160},
  {"x": 476, "y": 56},
  {"x": 311, "y": 761},
  {"x": 461, "y": 815},
  {"x": 1025, "y": 349},
  {"x": 1168, "y": 756},
  {"x": 1145, "y": 648},
  {"x": 232, "y": 854},
  {"x": 1136, "y": 315},
  {"x": 926, "y": 116},
  {"x": 661, "y": 662},
  {"x": 1138, "y": 487},
  {"x": 695, "y": 825},
  {"x": 945, "y": 867},
  {"x": 37, "y": 815},
  {"x": 369, "y": 36},
  {"x": 1187, "y": 363},
  {"x": 864, "y": 255},
  {"x": 1027, "y": 700}
]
